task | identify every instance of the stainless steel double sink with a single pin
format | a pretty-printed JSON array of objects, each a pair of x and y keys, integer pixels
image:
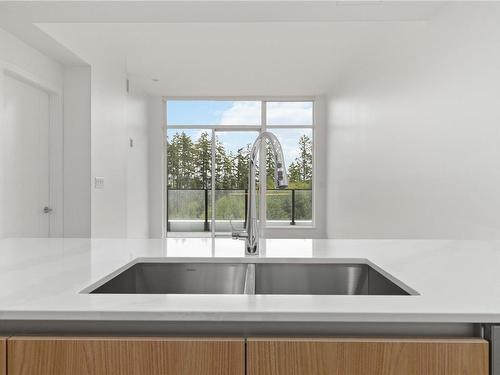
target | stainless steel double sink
[{"x": 252, "y": 278}]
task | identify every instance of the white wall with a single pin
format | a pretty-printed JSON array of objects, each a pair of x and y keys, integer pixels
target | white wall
[
  {"x": 111, "y": 127},
  {"x": 109, "y": 149},
  {"x": 138, "y": 164},
  {"x": 414, "y": 133},
  {"x": 26, "y": 58},
  {"x": 156, "y": 165},
  {"x": 31, "y": 64},
  {"x": 77, "y": 151},
  {"x": 121, "y": 209},
  {"x": 109, "y": 146}
]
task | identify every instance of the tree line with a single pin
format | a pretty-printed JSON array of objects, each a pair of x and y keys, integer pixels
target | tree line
[{"x": 189, "y": 164}]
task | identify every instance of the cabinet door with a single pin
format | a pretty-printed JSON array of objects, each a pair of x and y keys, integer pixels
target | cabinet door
[
  {"x": 125, "y": 356},
  {"x": 3, "y": 356},
  {"x": 367, "y": 356}
]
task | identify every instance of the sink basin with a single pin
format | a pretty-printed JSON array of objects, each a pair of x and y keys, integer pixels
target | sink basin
[
  {"x": 178, "y": 278},
  {"x": 259, "y": 278},
  {"x": 323, "y": 279}
]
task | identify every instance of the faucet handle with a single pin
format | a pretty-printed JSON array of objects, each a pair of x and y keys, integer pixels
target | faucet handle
[
  {"x": 236, "y": 234},
  {"x": 239, "y": 235}
]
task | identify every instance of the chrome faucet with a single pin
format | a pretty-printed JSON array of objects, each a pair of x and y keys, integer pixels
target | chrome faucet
[{"x": 251, "y": 233}]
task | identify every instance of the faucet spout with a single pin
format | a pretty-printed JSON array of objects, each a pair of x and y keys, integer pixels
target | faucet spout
[{"x": 252, "y": 232}]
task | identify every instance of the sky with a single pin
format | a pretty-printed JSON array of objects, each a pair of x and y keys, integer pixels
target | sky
[
  {"x": 204, "y": 112},
  {"x": 218, "y": 112}
]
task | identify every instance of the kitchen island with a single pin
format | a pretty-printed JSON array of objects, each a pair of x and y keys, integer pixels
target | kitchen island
[{"x": 453, "y": 295}]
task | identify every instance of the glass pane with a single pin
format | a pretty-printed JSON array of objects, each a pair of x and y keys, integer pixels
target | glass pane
[
  {"x": 231, "y": 179},
  {"x": 297, "y": 149},
  {"x": 279, "y": 207},
  {"x": 292, "y": 206},
  {"x": 189, "y": 210},
  {"x": 289, "y": 113},
  {"x": 213, "y": 112},
  {"x": 303, "y": 207},
  {"x": 189, "y": 177}
]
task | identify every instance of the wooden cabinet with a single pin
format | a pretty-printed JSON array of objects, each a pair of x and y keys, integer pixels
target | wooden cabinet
[
  {"x": 125, "y": 356},
  {"x": 367, "y": 356},
  {"x": 3, "y": 356},
  {"x": 263, "y": 356}
]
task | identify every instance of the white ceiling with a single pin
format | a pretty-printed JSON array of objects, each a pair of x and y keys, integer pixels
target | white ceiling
[
  {"x": 234, "y": 59},
  {"x": 224, "y": 47},
  {"x": 161, "y": 11}
]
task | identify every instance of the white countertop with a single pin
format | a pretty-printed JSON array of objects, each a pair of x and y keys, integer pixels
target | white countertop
[{"x": 457, "y": 281}]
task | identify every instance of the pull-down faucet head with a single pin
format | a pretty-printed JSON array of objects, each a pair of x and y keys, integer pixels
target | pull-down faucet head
[{"x": 281, "y": 178}]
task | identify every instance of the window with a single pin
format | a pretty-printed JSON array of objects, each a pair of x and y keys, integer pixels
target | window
[
  {"x": 189, "y": 178},
  {"x": 213, "y": 112},
  {"x": 289, "y": 113},
  {"x": 207, "y": 149}
]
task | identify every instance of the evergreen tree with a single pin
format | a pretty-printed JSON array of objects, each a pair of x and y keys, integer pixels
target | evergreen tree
[
  {"x": 170, "y": 164},
  {"x": 203, "y": 161},
  {"x": 186, "y": 166},
  {"x": 173, "y": 162},
  {"x": 242, "y": 164},
  {"x": 300, "y": 170},
  {"x": 220, "y": 156},
  {"x": 228, "y": 169},
  {"x": 305, "y": 158},
  {"x": 294, "y": 173}
]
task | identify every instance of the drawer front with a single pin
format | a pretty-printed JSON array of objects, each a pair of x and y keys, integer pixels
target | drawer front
[
  {"x": 3, "y": 356},
  {"x": 125, "y": 356},
  {"x": 367, "y": 356}
]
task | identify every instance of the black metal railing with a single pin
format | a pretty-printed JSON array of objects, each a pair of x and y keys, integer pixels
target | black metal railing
[{"x": 195, "y": 205}]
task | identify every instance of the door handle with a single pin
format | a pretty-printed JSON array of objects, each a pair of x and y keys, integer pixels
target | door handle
[{"x": 47, "y": 210}]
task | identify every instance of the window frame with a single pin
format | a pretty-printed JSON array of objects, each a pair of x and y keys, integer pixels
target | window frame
[{"x": 259, "y": 128}]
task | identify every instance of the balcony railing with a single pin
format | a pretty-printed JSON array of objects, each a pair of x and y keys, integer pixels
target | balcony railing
[{"x": 190, "y": 210}]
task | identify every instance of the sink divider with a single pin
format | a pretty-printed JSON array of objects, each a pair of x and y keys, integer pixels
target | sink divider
[{"x": 250, "y": 279}]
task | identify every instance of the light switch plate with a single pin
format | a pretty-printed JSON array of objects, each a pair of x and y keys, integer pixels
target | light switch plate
[{"x": 99, "y": 183}]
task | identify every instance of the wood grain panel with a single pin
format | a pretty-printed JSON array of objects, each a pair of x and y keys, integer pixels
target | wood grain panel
[
  {"x": 125, "y": 356},
  {"x": 3, "y": 355},
  {"x": 367, "y": 357}
]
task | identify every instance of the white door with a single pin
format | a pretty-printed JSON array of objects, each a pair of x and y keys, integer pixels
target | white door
[{"x": 25, "y": 160}]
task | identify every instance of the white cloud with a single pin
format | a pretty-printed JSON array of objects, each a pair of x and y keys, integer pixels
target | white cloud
[
  {"x": 289, "y": 113},
  {"x": 242, "y": 113},
  {"x": 278, "y": 113}
]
